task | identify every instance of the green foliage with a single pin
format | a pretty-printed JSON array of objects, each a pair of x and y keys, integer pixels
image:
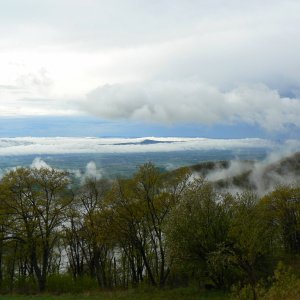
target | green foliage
[
  {"x": 65, "y": 283},
  {"x": 137, "y": 294},
  {"x": 252, "y": 238},
  {"x": 25, "y": 285},
  {"x": 34, "y": 201},
  {"x": 285, "y": 284},
  {"x": 283, "y": 205},
  {"x": 154, "y": 229},
  {"x": 197, "y": 232}
]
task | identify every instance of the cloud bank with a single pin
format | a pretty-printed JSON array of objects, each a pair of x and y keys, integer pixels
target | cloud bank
[
  {"x": 62, "y": 145},
  {"x": 173, "y": 102}
]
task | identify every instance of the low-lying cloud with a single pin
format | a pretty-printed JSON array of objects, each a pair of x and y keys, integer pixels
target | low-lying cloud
[
  {"x": 38, "y": 163},
  {"x": 91, "y": 172},
  {"x": 171, "y": 102},
  {"x": 278, "y": 168},
  {"x": 64, "y": 145}
]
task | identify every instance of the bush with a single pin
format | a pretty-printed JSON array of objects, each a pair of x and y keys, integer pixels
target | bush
[
  {"x": 25, "y": 285},
  {"x": 59, "y": 284},
  {"x": 64, "y": 283},
  {"x": 286, "y": 285}
]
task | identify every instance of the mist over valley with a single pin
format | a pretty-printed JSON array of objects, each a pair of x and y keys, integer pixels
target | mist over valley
[{"x": 230, "y": 164}]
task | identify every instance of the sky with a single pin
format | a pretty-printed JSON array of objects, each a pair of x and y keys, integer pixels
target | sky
[{"x": 130, "y": 68}]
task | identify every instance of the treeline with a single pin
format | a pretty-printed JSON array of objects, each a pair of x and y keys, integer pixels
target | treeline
[{"x": 158, "y": 229}]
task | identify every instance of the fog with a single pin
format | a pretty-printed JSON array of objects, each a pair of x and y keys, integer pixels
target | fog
[
  {"x": 67, "y": 145},
  {"x": 278, "y": 168},
  {"x": 281, "y": 165}
]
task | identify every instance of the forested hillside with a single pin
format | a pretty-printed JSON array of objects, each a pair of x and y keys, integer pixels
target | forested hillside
[
  {"x": 162, "y": 229},
  {"x": 258, "y": 176}
]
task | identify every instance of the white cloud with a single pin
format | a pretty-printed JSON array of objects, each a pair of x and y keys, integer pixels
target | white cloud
[
  {"x": 38, "y": 163},
  {"x": 92, "y": 172},
  {"x": 39, "y": 146},
  {"x": 235, "y": 168},
  {"x": 278, "y": 168},
  {"x": 227, "y": 45},
  {"x": 190, "y": 101}
]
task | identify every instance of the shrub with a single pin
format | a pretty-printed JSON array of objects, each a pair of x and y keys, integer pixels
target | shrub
[{"x": 286, "y": 285}]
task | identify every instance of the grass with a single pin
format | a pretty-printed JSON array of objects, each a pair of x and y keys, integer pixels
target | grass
[{"x": 171, "y": 294}]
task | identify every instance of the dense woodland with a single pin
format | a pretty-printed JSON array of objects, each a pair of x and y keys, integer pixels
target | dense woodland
[{"x": 162, "y": 229}]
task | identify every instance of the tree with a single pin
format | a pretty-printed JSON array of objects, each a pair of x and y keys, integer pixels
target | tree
[
  {"x": 197, "y": 231},
  {"x": 36, "y": 200},
  {"x": 140, "y": 208},
  {"x": 84, "y": 237},
  {"x": 251, "y": 237},
  {"x": 283, "y": 205}
]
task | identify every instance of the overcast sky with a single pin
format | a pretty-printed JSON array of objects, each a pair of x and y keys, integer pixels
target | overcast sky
[{"x": 167, "y": 65}]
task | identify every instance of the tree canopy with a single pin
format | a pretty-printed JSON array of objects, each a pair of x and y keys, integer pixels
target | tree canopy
[{"x": 156, "y": 228}]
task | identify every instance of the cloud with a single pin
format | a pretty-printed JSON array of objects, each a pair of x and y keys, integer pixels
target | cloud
[
  {"x": 162, "y": 61},
  {"x": 235, "y": 168},
  {"x": 39, "y": 80},
  {"x": 190, "y": 101},
  {"x": 38, "y": 163},
  {"x": 280, "y": 167},
  {"x": 28, "y": 92},
  {"x": 91, "y": 172},
  {"x": 39, "y": 146}
]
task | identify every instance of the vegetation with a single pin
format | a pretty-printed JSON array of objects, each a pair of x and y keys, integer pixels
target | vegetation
[
  {"x": 154, "y": 230},
  {"x": 136, "y": 294}
]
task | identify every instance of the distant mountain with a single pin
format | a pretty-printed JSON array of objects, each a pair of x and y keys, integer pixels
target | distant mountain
[{"x": 145, "y": 142}]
